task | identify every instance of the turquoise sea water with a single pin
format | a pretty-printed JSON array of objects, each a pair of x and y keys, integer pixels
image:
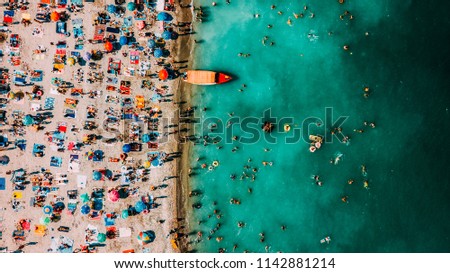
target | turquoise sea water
[{"x": 404, "y": 61}]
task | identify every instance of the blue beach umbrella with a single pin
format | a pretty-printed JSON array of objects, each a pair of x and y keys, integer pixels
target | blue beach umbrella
[
  {"x": 126, "y": 148},
  {"x": 158, "y": 53},
  {"x": 109, "y": 174},
  {"x": 85, "y": 209},
  {"x": 111, "y": 8},
  {"x": 151, "y": 43},
  {"x": 140, "y": 206},
  {"x": 59, "y": 206},
  {"x": 155, "y": 162},
  {"x": 131, "y": 6},
  {"x": 123, "y": 40},
  {"x": 166, "y": 35},
  {"x": 145, "y": 138},
  {"x": 97, "y": 205},
  {"x": 164, "y": 16},
  {"x": 47, "y": 209},
  {"x": 96, "y": 176}
]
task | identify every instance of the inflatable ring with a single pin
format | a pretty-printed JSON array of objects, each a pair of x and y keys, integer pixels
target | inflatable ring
[
  {"x": 312, "y": 149},
  {"x": 287, "y": 127},
  {"x": 215, "y": 163}
]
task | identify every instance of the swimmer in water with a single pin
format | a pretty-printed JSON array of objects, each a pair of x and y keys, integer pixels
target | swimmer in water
[
  {"x": 350, "y": 181},
  {"x": 289, "y": 22},
  {"x": 296, "y": 15},
  {"x": 265, "y": 39},
  {"x": 338, "y": 158},
  {"x": 363, "y": 170},
  {"x": 345, "y": 199},
  {"x": 366, "y": 184}
]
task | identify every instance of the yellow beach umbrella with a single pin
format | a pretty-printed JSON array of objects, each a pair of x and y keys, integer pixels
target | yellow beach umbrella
[
  {"x": 147, "y": 164},
  {"x": 71, "y": 61}
]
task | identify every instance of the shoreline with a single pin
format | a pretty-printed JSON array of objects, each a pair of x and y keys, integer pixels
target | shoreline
[{"x": 184, "y": 48}]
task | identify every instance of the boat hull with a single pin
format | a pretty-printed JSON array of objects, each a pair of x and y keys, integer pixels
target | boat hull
[{"x": 204, "y": 77}]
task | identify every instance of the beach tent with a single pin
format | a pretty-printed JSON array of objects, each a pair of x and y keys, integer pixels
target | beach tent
[
  {"x": 166, "y": 35},
  {"x": 151, "y": 43},
  {"x": 96, "y": 176},
  {"x": 158, "y": 53},
  {"x": 108, "y": 46},
  {"x": 164, "y": 16},
  {"x": 163, "y": 75},
  {"x": 123, "y": 40},
  {"x": 131, "y": 6}
]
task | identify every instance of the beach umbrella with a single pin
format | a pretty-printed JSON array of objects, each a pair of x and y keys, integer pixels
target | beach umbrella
[
  {"x": 4, "y": 160},
  {"x": 126, "y": 148},
  {"x": 139, "y": 206},
  {"x": 123, "y": 40},
  {"x": 145, "y": 138},
  {"x": 113, "y": 196},
  {"x": 147, "y": 164},
  {"x": 111, "y": 8},
  {"x": 109, "y": 174},
  {"x": 163, "y": 75},
  {"x": 71, "y": 61},
  {"x": 140, "y": 25},
  {"x": 47, "y": 209},
  {"x": 151, "y": 43},
  {"x": 87, "y": 56},
  {"x": 131, "y": 6},
  {"x": 45, "y": 220},
  {"x": 97, "y": 204},
  {"x": 85, "y": 209},
  {"x": 101, "y": 237},
  {"x": 166, "y": 35},
  {"x": 164, "y": 16},
  {"x": 27, "y": 120},
  {"x": 123, "y": 193},
  {"x": 108, "y": 46},
  {"x": 124, "y": 214},
  {"x": 146, "y": 237},
  {"x": 158, "y": 53},
  {"x": 54, "y": 16},
  {"x": 84, "y": 197},
  {"x": 96, "y": 176},
  {"x": 25, "y": 225},
  {"x": 155, "y": 162},
  {"x": 59, "y": 206}
]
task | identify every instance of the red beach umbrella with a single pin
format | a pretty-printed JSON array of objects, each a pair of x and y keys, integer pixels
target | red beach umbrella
[
  {"x": 163, "y": 74},
  {"x": 108, "y": 46},
  {"x": 54, "y": 16},
  {"x": 113, "y": 196}
]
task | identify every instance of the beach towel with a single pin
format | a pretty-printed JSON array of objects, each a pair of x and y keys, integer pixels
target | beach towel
[
  {"x": 55, "y": 161},
  {"x": 81, "y": 181},
  {"x": 2, "y": 183}
]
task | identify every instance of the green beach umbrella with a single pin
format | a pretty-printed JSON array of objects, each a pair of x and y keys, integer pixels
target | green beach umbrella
[
  {"x": 124, "y": 214},
  {"x": 131, "y": 6},
  {"x": 84, "y": 198},
  {"x": 45, "y": 220},
  {"x": 101, "y": 237}
]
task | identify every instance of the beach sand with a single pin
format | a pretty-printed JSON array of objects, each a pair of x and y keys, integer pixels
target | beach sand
[{"x": 169, "y": 197}]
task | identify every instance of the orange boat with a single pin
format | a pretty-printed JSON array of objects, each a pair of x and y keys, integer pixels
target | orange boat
[{"x": 204, "y": 77}]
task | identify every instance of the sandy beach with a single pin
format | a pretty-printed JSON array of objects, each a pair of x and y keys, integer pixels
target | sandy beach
[{"x": 164, "y": 184}]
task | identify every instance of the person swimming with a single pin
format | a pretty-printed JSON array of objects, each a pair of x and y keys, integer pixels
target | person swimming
[
  {"x": 338, "y": 158},
  {"x": 363, "y": 170}
]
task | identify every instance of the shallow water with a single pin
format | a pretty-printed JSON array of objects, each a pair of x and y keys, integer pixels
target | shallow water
[{"x": 403, "y": 62}]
